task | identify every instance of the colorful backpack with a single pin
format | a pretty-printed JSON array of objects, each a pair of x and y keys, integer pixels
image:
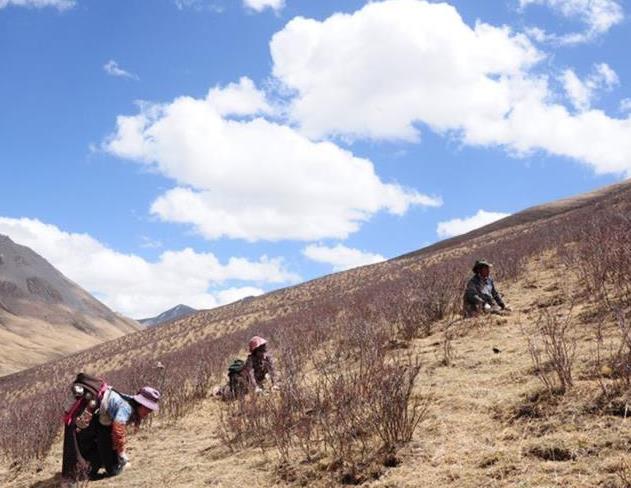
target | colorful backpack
[
  {"x": 236, "y": 366},
  {"x": 237, "y": 382},
  {"x": 87, "y": 392}
]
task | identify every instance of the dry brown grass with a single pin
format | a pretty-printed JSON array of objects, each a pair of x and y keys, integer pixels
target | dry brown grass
[{"x": 490, "y": 424}]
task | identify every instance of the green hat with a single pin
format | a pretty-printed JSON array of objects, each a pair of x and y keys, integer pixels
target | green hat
[{"x": 480, "y": 263}]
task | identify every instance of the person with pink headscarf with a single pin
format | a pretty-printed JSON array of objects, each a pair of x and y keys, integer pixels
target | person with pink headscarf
[{"x": 259, "y": 364}]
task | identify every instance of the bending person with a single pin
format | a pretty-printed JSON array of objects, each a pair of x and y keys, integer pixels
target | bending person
[{"x": 103, "y": 443}]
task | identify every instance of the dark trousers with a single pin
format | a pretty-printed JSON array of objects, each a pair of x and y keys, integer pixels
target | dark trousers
[
  {"x": 470, "y": 309},
  {"x": 95, "y": 445},
  {"x": 73, "y": 466}
]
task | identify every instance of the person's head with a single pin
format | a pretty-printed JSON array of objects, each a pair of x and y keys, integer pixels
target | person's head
[
  {"x": 482, "y": 268},
  {"x": 257, "y": 345},
  {"x": 146, "y": 401}
]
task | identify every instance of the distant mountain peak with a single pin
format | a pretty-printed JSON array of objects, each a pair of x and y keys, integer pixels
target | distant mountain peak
[
  {"x": 174, "y": 313},
  {"x": 183, "y": 307}
]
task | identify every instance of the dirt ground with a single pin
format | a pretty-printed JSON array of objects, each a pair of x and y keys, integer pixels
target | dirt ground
[{"x": 471, "y": 438}]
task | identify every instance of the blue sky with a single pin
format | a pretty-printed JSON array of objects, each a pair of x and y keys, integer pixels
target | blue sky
[{"x": 198, "y": 151}]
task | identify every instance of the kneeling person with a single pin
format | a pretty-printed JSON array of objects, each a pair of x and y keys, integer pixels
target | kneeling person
[
  {"x": 480, "y": 295},
  {"x": 259, "y": 364}
]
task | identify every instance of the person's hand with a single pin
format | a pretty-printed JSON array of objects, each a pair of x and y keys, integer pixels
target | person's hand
[
  {"x": 122, "y": 463},
  {"x": 123, "y": 459},
  {"x": 487, "y": 307}
]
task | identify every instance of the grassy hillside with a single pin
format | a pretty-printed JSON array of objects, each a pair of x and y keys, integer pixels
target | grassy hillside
[
  {"x": 537, "y": 398},
  {"x": 44, "y": 315}
]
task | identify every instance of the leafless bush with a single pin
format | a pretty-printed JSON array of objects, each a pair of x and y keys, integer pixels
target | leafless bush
[
  {"x": 405, "y": 302},
  {"x": 552, "y": 346},
  {"x": 622, "y": 357},
  {"x": 438, "y": 293},
  {"x": 603, "y": 259},
  {"x": 354, "y": 403},
  {"x": 396, "y": 412},
  {"x": 447, "y": 348},
  {"x": 413, "y": 321},
  {"x": 613, "y": 360},
  {"x": 244, "y": 423},
  {"x": 28, "y": 433}
]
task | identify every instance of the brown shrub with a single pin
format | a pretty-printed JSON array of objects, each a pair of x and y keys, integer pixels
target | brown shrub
[{"x": 552, "y": 347}]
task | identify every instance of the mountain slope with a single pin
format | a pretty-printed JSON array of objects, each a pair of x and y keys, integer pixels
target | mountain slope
[
  {"x": 465, "y": 441},
  {"x": 43, "y": 314},
  {"x": 177, "y": 312},
  {"x": 609, "y": 195},
  {"x": 282, "y": 305},
  {"x": 490, "y": 421}
]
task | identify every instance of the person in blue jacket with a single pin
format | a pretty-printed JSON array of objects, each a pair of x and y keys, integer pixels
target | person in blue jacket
[{"x": 103, "y": 443}]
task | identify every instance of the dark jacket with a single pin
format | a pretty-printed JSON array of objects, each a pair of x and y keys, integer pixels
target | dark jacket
[
  {"x": 257, "y": 366},
  {"x": 480, "y": 291}
]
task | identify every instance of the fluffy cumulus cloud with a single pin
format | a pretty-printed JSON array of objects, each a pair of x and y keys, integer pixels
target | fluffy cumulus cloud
[
  {"x": 230, "y": 295},
  {"x": 260, "y": 5},
  {"x": 139, "y": 288},
  {"x": 383, "y": 70},
  {"x": 58, "y": 4},
  {"x": 582, "y": 92},
  {"x": 249, "y": 177},
  {"x": 341, "y": 257},
  {"x": 241, "y": 98},
  {"x": 113, "y": 69},
  {"x": 598, "y": 16},
  {"x": 456, "y": 227},
  {"x": 376, "y": 72}
]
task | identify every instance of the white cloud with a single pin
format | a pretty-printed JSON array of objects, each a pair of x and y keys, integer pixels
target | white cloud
[
  {"x": 456, "y": 227},
  {"x": 379, "y": 72},
  {"x": 241, "y": 98},
  {"x": 58, "y": 4},
  {"x": 260, "y": 5},
  {"x": 234, "y": 294},
  {"x": 625, "y": 105},
  {"x": 252, "y": 178},
  {"x": 537, "y": 33},
  {"x": 340, "y": 256},
  {"x": 605, "y": 76},
  {"x": 112, "y": 68},
  {"x": 139, "y": 288},
  {"x": 148, "y": 243},
  {"x": 582, "y": 92},
  {"x": 598, "y": 15},
  {"x": 577, "y": 91}
]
